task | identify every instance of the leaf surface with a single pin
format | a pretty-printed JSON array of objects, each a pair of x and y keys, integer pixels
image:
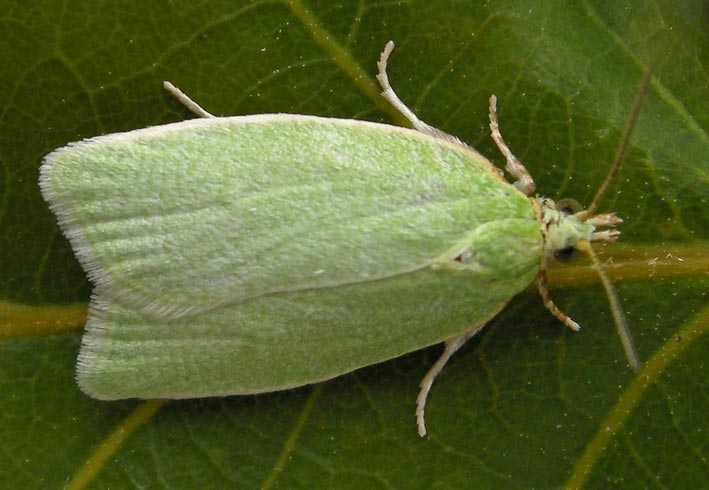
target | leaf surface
[{"x": 524, "y": 405}]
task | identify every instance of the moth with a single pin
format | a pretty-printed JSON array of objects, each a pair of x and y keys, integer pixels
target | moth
[{"x": 249, "y": 254}]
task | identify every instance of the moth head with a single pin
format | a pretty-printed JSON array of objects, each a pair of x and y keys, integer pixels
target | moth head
[{"x": 568, "y": 227}]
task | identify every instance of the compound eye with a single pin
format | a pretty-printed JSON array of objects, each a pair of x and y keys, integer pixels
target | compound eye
[
  {"x": 565, "y": 254},
  {"x": 568, "y": 206}
]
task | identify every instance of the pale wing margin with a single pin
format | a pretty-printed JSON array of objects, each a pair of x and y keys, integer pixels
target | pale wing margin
[{"x": 185, "y": 217}]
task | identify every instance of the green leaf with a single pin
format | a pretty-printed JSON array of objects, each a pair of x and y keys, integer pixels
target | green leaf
[{"x": 524, "y": 405}]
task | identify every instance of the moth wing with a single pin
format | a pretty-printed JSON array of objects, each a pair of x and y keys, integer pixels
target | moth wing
[
  {"x": 285, "y": 339},
  {"x": 183, "y": 218}
]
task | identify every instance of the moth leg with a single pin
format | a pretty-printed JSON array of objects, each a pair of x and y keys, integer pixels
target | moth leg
[
  {"x": 389, "y": 94},
  {"x": 451, "y": 346},
  {"x": 184, "y": 99},
  {"x": 524, "y": 182},
  {"x": 541, "y": 281}
]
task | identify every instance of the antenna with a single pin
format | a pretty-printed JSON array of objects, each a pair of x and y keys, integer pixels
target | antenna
[
  {"x": 588, "y": 215},
  {"x": 620, "y": 153},
  {"x": 620, "y": 322}
]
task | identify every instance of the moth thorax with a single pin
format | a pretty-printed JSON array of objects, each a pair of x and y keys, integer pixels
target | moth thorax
[{"x": 563, "y": 227}]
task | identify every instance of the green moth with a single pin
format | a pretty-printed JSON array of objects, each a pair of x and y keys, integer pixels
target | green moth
[{"x": 239, "y": 255}]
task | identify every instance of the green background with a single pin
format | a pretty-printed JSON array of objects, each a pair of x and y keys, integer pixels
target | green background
[{"x": 525, "y": 405}]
